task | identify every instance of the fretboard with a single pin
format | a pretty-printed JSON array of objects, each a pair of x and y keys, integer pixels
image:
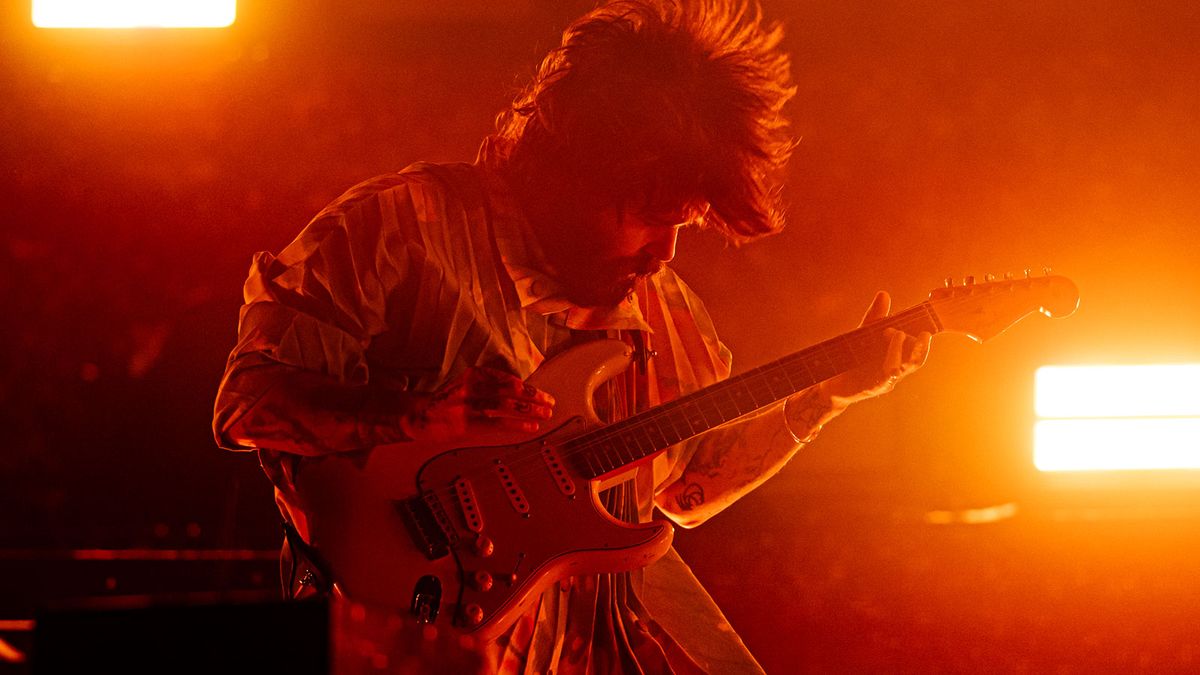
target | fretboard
[{"x": 637, "y": 437}]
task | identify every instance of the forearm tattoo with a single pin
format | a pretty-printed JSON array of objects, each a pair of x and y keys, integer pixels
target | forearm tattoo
[
  {"x": 729, "y": 461},
  {"x": 691, "y": 497},
  {"x": 803, "y": 415}
]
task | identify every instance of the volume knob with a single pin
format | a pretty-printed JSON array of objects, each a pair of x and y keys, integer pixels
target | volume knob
[
  {"x": 484, "y": 546},
  {"x": 473, "y": 614},
  {"x": 482, "y": 581}
]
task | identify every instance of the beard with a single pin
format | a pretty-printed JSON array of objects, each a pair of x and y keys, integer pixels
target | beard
[
  {"x": 579, "y": 254},
  {"x": 606, "y": 283}
]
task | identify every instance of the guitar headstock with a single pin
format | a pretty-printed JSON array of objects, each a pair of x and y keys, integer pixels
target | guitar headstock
[{"x": 984, "y": 310}]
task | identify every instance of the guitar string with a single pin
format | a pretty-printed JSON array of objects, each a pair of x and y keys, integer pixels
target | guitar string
[
  {"x": 602, "y": 436},
  {"x": 519, "y": 465},
  {"x": 922, "y": 313},
  {"x": 595, "y": 438}
]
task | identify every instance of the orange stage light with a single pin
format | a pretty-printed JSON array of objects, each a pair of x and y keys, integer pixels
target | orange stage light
[
  {"x": 134, "y": 13},
  {"x": 1097, "y": 418}
]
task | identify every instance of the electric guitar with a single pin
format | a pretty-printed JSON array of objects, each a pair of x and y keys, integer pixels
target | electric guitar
[{"x": 466, "y": 537}]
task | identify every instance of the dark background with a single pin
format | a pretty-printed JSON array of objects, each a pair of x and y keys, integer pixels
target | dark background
[{"x": 141, "y": 170}]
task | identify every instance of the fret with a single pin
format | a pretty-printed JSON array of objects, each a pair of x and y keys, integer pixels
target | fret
[
  {"x": 619, "y": 444},
  {"x": 843, "y": 355},
  {"x": 789, "y": 375},
  {"x": 675, "y": 434},
  {"x": 804, "y": 369},
  {"x": 635, "y": 443},
  {"x": 917, "y": 319},
  {"x": 775, "y": 381},
  {"x": 726, "y": 403},
  {"x": 742, "y": 399},
  {"x": 709, "y": 411},
  {"x": 828, "y": 368},
  {"x": 761, "y": 392},
  {"x": 614, "y": 459},
  {"x": 859, "y": 344},
  {"x": 807, "y": 364},
  {"x": 645, "y": 445},
  {"x": 684, "y": 416},
  {"x": 641, "y": 444},
  {"x": 695, "y": 418},
  {"x": 660, "y": 442},
  {"x": 603, "y": 461}
]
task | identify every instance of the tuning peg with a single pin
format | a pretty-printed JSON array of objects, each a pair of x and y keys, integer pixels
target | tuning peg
[
  {"x": 989, "y": 277},
  {"x": 1028, "y": 272},
  {"x": 1046, "y": 271},
  {"x": 1008, "y": 276},
  {"x": 949, "y": 282},
  {"x": 969, "y": 281}
]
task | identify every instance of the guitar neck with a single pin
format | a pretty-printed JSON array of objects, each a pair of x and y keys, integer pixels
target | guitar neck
[{"x": 635, "y": 438}]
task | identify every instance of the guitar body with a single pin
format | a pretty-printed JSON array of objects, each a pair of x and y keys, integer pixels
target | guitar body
[{"x": 469, "y": 536}]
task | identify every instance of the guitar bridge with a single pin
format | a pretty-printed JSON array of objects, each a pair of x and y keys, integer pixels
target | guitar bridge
[{"x": 426, "y": 524}]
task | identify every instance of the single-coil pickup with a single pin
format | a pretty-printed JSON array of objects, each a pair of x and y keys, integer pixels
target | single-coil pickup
[
  {"x": 515, "y": 495},
  {"x": 470, "y": 507},
  {"x": 555, "y": 464},
  {"x": 439, "y": 514}
]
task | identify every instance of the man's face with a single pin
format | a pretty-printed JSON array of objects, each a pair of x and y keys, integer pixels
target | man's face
[{"x": 599, "y": 259}]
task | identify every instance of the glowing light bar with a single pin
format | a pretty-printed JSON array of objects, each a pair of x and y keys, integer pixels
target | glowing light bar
[
  {"x": 1117, "y": 444},
  {"x": 134, "y": 13},
  {"x": 1102, "y": 418},
  {"x": 1118, "y": 391}
]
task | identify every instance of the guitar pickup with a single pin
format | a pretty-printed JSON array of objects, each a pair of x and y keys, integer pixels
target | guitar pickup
[
  {"x": 425, "y": 528},
  {"x": 469, "y": 505}
]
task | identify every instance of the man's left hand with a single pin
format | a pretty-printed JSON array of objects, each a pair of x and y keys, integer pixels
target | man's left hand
[{"x": 900, "y": 355}]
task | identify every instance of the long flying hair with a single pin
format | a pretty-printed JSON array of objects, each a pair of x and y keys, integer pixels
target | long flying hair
[{"x": 659, "y": 105}]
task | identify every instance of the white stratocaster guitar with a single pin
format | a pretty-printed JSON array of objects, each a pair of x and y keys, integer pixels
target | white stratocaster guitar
[{"x": 465, "y": 537}]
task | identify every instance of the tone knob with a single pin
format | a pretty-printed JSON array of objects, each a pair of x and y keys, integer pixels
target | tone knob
[
  {"x": 484, "y": 546},
  {"x": 473, "y": 614},
  {"x": 482, "y": 581}
]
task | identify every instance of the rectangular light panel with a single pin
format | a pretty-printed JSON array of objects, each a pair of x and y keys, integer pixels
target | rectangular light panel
[
  {"x": 1100, "y": 418},
  {"x": 134, "y": 13}
]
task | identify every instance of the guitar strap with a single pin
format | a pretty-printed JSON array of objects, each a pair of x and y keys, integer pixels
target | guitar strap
[
  {"x": 302, "y": 572},
  {"x": 641, "y": 353}
]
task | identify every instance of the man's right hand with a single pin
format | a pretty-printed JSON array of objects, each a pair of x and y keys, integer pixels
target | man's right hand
[{"x": 480, "y": 401}]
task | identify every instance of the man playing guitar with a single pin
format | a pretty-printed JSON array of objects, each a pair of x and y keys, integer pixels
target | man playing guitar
[{"x": 415, "y": 311}]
